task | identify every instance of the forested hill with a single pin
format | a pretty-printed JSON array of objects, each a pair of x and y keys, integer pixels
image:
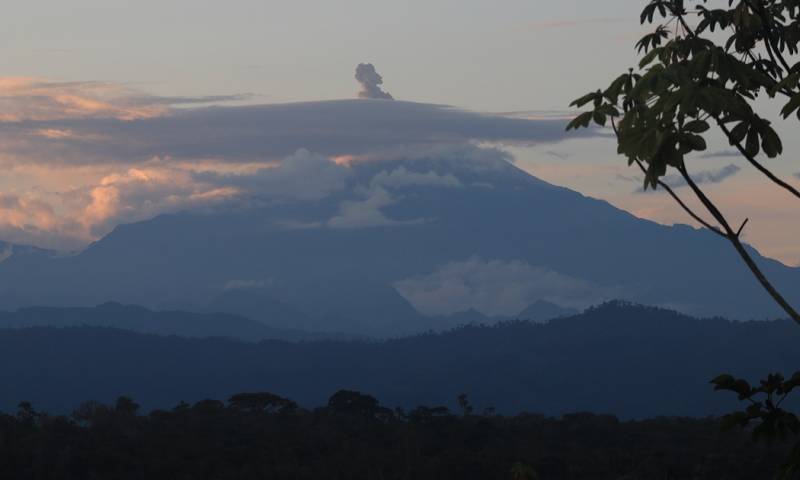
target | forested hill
[{"x": 621, "y": 359}]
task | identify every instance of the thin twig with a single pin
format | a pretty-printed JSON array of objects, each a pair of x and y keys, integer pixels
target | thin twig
[{"x": 744, "y": 224}]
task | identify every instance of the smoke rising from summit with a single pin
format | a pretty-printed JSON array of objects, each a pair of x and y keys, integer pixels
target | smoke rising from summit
[{"x": 371, "y": 83}]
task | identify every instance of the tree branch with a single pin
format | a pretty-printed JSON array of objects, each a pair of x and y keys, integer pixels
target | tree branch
[
  {"x": 767, "y": 21},
  {"x": 733, "y": 237},
  {"x": 683, "y": 204},
  {"x": 672, "y": 193},
  {"x": 755, "y": 162}
]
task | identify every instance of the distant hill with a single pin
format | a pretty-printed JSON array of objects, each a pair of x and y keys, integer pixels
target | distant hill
[
  {"x": 13, "y": 253},
  {"x": 542, "y": 311},
  {"x": 142, "y": 320},
  {"x": 621, "y": 359}
]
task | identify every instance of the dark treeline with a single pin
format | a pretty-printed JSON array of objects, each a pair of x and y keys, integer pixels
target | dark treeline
[{"x": 261, "y": 435}]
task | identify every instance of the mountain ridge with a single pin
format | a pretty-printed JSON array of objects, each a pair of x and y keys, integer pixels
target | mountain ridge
[
  {"x": 619, "y": 358},
  {"x": 436, "y": 234}
]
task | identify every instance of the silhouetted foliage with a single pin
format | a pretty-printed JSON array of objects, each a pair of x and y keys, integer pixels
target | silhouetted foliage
[
  {"x": 697, "y": 74},
  {"x": 765, "y": 415},
  {"x": 262, "y": 402},
  {"x": 706, "y": 66},
  {"x": 261, "y": 435}
]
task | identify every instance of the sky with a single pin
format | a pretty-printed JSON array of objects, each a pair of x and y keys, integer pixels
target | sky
[{"x": 103, "y": 118}]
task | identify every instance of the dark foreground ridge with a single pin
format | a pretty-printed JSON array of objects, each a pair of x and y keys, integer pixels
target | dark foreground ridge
[
  {"x": 258, "y": 436},
  {"x": 621, "y": 359}
]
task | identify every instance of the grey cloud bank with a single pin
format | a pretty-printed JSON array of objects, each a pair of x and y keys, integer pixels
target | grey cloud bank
[
  {"x": 267, "y": 132},
  {"x": 144, "y": 156}
]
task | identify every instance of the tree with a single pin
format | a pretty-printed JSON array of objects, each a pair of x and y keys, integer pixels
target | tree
[
  {"x": 464, "y": 405},
  {"x": 263, "y": 402},
  {"x": 688, "y": 81}
]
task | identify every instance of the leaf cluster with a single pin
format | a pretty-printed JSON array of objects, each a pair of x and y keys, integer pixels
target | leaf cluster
[
  {"x": 764, "y": 413},
  {"x": 662, "y": 110}
]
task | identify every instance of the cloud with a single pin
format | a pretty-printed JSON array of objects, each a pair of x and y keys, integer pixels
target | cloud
[
  {"x": 265, "y": 132},
  {"x": 705, "y": 176},
  {"x": 159, "y": 186},
  {"x": 496, "y": 287},
  {"x": 142, "y": 193},
  {"x": 25, "y": 218},
  {"x": 74, "y": 217},
  {"x": 370, "y": 82},
  {"x": 32, "y": 99},
  {"x": 702, "y": 177},
  {"x": 94, "y": 123},
  {"x": 720, "y": 154},
  {"x": 403, "y": 178},
  {"x": 367, "y": 212},
  {"x": 301, "y": 176},
  {"x": 81, "y": 157}
]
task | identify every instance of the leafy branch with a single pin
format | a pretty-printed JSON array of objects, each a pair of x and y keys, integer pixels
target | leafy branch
[
  {"x": 661, "y": 111},
  {"x": 765, "y": 410}
]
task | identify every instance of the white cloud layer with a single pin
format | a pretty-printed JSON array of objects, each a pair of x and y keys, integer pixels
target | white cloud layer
[
  {"x": 496, "y": 287},
  {"x": 403, "y": 178},
  {"x": 367, "y": 213}
]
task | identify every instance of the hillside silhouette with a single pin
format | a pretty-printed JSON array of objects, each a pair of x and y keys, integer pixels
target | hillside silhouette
[{"x": 619, "y": 358}]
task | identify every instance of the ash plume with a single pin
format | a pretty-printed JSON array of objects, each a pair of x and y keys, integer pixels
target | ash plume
[{"x": 370, "y": 82}]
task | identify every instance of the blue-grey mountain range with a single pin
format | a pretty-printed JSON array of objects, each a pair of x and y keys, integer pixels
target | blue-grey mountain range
[{"x": 398, "y": 246}]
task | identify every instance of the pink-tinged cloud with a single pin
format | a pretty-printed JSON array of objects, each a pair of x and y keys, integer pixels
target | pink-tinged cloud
[
  {"x": 34, "y": 99},
  {"x": 31, "y": 99}
]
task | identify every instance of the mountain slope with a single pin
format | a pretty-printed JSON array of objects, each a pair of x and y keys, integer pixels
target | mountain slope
[{"x": 443, "y": 231}]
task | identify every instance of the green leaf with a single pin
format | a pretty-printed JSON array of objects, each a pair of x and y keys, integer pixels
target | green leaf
[
  {"x": 599, "y": 118},
  {"x": 696, "y": 142},
  {"x": 583, "y": 100},
  {"x": 751, "y": 146},
  {"x": 696, "y": 126},
  {"x": 739, "y": 132},
  {"x": 771, "y": 143},
  {"x": 790, "y": 107},
  {"x": 581, "y": 121},
  {"x": 648, "y": 59}
]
